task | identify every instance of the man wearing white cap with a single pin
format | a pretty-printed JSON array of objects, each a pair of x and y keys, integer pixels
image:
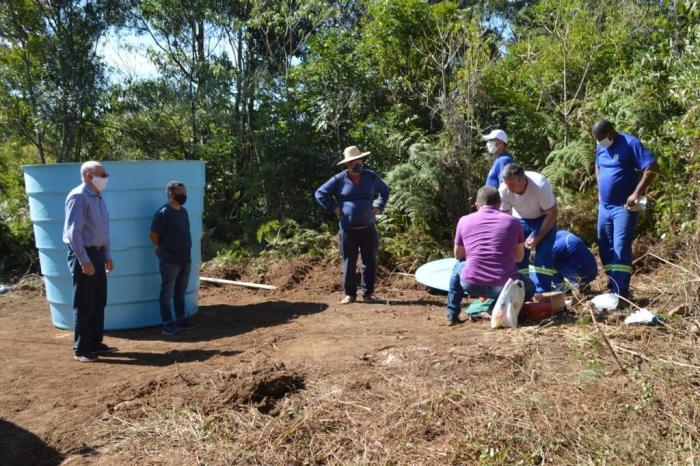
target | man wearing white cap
[
  {"x": 351, "y": 195},
  {"x": 497, "y": 145}
]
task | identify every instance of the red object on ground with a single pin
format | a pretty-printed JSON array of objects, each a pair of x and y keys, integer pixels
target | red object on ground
[{"x": 538, "y": 311}]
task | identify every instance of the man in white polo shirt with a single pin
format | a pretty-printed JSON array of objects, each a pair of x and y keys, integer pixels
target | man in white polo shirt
[{"x": 529, "y": 197}]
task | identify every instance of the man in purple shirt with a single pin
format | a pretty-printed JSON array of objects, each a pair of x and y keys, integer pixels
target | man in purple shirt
[
  {"x": 86, "y": 232},
  {"x": 488, "y": 245}
]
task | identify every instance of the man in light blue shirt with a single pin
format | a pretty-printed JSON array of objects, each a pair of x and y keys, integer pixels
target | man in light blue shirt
[{"x": 86, "y": 232}]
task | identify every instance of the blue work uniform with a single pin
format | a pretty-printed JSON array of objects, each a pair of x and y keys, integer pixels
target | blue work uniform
[
  {"x": 619, "y": 168},
  {"x": 573, "y": 261},
  {"x": 495, "y": 178}
]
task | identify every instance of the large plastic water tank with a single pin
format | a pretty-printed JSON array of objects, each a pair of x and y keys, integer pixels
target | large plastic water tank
[{"x": 135, "y": 191}]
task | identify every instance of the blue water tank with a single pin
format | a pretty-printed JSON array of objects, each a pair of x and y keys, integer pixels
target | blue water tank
[{"x": 135, "y": 191}]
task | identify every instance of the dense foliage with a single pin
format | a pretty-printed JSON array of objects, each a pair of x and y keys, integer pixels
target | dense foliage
[{"x": 269, "y": 92}]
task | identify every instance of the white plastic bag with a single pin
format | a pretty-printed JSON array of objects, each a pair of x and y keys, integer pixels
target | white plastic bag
[
  {"x": 642, "y": 316},
  {"x": 505, "y": 312},
  {"x": 606, "y": 302}
]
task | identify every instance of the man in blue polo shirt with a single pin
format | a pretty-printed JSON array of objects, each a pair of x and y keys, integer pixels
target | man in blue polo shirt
[
  {"x": 170, "y": 232},
  {"x": 497, "y": 146},
  {"x": 350, "y": 195},
  {"x": 573, "y": 261},
  {"x": 624, "y": 169}
]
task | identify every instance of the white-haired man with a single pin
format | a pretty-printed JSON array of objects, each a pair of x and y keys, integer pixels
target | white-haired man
[{"x": 86, "y": 232}]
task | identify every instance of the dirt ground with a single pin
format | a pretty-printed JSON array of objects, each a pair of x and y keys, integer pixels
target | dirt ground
[{"x": 290, "y": 377}]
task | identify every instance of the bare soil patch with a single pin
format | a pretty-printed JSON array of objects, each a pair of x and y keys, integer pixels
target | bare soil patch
[{"x": 290, "y": 377}]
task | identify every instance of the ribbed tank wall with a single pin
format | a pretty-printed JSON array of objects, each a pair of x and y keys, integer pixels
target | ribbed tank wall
[{"x": 135, "y": 192}]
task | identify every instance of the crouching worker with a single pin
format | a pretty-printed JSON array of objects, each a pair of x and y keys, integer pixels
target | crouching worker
[
  {"x": 573, "y": 261},
  {"x": 170, "y": 232},
  {"x": 488, "y": 245}
]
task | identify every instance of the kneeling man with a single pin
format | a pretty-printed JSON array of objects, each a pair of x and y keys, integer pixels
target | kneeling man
[
  {"x": 488, "y": 245},
  {"x": 573, "y": 261}
]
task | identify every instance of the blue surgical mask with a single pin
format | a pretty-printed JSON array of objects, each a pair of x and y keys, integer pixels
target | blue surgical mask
[{"x": 357, "y": 169}]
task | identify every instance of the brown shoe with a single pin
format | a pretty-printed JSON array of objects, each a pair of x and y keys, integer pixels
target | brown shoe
[{"x": 347, "y": 300}]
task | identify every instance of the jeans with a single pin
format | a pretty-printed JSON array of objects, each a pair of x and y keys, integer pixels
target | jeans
[
  {"x": 89, "y": 301},
  {"x": 174, "y": 278},
  {"x": 615, "y": 235},
  {"x": 366, "y": 242},
  {"x": 458, "y": 289},
  {"x": 542, "y": 272}
]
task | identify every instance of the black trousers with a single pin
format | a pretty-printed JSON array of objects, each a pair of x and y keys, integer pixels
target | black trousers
[
  {"x": 89, "y": 301},
  {"x": 365, "y": 242}
]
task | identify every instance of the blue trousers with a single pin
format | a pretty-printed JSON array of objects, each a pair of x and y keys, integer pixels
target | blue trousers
[
  {"x": 366, "y": 243},
  {"x": 576, "y": 274},
  {"x": 89, "y": 301},
  {"x": 542, "y": 272},
  {"x": 173, "y": 286},
  {"x": 615, "y": 235},
  {"x": 458, "y": 289}
]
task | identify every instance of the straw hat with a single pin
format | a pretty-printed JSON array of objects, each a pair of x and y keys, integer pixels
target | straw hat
[{"x": 352, "y": 153}]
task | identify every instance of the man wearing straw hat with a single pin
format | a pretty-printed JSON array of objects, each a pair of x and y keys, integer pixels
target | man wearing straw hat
[{"x": 351, "y": 195}]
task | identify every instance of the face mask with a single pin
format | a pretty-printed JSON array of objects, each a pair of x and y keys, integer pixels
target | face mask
[
  {"x": 491, "y": 147},
  {"x": 607, "y": 142},
  {"x": 357, "y": 169},
  {"x": 100, "y": 183},
  {"x": 180, "y": 198}
]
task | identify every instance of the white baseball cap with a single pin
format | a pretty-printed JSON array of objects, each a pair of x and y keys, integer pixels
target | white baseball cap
[{"x": 496, "y": 134}]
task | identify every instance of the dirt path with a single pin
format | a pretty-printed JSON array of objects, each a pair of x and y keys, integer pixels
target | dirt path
[{"x": 289, "y": 377}]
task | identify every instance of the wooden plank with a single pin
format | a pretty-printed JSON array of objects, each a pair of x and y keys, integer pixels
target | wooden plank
[{"x": 237, "y": 283}]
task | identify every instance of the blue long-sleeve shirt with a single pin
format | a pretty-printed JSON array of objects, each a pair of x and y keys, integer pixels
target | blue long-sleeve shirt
[
  {"x": 86, "y": 223},
  {"x": 494, "y": 178},
  {"x": 355, "y": 200}
]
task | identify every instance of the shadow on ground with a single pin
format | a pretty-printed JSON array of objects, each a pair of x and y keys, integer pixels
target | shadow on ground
[
  {"x": 222, "y": 321},
  {"x": 21, "y": 447},
  {"x": 134, "y": 358}
]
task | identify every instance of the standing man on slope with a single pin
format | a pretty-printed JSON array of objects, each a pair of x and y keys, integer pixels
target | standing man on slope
[
  {"x": 497, "y": 146},
  {"x": 350, "y": 195},
  {"x": 624, "y": 169},
  {"x": 529, "y": 197},
  {"x": 170, "y": 233},
  {"x": 86, "y": 232}
]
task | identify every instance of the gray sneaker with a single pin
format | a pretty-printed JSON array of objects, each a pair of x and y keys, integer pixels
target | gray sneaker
[{"x": 169, "y": 329}]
